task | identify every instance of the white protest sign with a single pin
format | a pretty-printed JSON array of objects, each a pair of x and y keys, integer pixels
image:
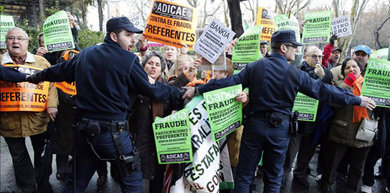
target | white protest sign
[
  {"x": 137, "y": 21},
  {"x": 213, "y": 41},
  {"x": 341, "y": 26}
]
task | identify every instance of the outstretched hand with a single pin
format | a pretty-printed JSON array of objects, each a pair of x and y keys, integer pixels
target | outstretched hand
[
  {"x": 190, "y": 92},
  {"x": 367, "y": 103}
]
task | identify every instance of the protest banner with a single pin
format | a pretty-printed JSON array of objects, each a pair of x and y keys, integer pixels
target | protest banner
[
  {"x": 226, "y": 175},
  {"x": 171, "y": 24},
  {"x": 137, "y": 21},
  {"x": 265, "y": 18},
  {"x": 172, "y": 138},
  {"x": 376, "y": 83},
  {"x": 282, "y": 22},
  {"x": 57, "y": 34},
  {"x": 213, "y": 41},
  {"x": 23, "y": 96},
  {"x": 204, "y": 171},
  {"x": 6, "y": 23},
  {"x": 306, "y": 106},
  {"x": 224, "y": 112},
  {"x": 317, "y": 27},
  {"x": 247, "y": 49},
  {"x": 341, "y": 26},
  {"x": 68, "y": 88}
]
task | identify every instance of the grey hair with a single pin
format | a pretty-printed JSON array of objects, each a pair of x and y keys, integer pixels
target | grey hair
[
  {"x": 16, "y": 28},
  {"x": 150, "y": 54}
]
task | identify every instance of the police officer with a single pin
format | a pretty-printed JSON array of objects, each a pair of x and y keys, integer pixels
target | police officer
[
  {"x": 10, "y": 74},
  {"x": 273, "y": 84},
  {"x": 105, "y": 76}
]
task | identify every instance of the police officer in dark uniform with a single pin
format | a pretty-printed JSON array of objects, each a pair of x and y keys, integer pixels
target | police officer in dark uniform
[
  {"x": 11, "y": 75},
  {"x": 273, "y": 84},
  {"x": 105, "y": 76}
]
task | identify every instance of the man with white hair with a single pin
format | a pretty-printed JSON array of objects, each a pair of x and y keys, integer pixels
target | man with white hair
[{"x": 16, "y": 124}]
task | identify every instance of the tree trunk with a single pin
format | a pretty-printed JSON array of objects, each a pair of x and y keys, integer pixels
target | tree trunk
[
  {"x": 225, "y": 15},
  {"x": 83, "y": 10},
  {"x": 100, "y": 12}
]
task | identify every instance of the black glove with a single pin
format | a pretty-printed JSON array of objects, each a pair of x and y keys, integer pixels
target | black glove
[
  {"x": 332, "y": 39},
  {"x": 34, "y": 78}
]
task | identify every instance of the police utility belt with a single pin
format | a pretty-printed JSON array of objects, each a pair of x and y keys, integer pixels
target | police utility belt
[
  {"x": 92, "y": 128},
  {"x": 275, "y": 119}
]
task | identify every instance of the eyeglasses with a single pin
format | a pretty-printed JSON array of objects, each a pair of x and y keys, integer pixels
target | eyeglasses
[
  {"x": 19, "y": 38},
  {"x": 316, "y": 56}
]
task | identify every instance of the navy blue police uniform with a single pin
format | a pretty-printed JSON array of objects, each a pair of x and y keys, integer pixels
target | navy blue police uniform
[
  {"x": 273, "y": 84},
  {"x": 106, "y": 78},
  {"x": 11, "y": 75}
]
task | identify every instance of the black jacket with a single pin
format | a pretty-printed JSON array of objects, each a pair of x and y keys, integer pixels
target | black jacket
[
  {"x": 106, "y": 75},
  {"x": 273, "y": 84}
]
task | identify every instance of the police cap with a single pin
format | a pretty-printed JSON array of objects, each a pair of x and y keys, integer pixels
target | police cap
[
  {"x": 285, "y": 36},
  {"x": 116, "y": 23}
]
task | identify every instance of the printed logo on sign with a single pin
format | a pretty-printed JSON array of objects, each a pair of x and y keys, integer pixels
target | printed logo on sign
[
  {"x": 382, "y": 102},
  {"x": 265, "y": 14},
  {"x": 306, "y": 116},
  {"x": 58, "y": 46},
  {"x": 175, "y": 157},
  {"x": 172, "y": 11}
]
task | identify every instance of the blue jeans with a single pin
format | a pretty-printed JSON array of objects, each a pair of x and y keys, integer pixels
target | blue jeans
[
  {"x": 86, "y": 162},
  {"x": 260, "y": 136}
]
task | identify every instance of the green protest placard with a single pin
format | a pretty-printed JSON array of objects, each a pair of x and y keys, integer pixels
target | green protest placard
[
  {"x": 306, "y": 106},
  {"x": 172, "y": 136},
  {"x": 6, "y": 23},
  {"x": 380, "y": 54},
  {"x": 57, "y": 34},
  {"x": 376, "y": 83},
  {"x": 225, "y": 113},
  {"x": 317, "y": 27},
  {"x": 248, "y": 46},
  {"x": 284, "y": 23}
]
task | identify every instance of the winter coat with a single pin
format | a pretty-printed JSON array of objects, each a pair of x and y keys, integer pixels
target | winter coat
[
  {"x": 342, "y": 130},
  {"x": 23, "y": 124},
  {"x": 145, "y": 111}
]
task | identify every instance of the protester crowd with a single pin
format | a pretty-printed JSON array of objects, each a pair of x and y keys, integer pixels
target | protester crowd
[{"x": 341, "y": 155}]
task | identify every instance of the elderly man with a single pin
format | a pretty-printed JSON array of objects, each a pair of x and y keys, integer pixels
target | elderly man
[{"x": 16, "y": 124}]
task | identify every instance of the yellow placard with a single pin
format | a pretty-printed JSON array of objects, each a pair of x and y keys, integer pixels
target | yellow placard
[
  {"x": 172, "y": 24},
  {"x": 265, "y": 18},
  {"x": 68, "y": 88},
  {"x": 23, "y": 96}
]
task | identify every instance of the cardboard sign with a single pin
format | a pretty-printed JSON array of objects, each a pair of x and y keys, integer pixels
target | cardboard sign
[
  {"x": 68, "y": 88},
  {"x": 317, "y": 27},
  {"x": 171, "y": 24},
  {"x": 23, "y": 96},
  {"x": 57, "y": 34},
  {"x": 6, "y": 23},
  {"x": 376, "y": 83},
  {"x": 213, "y": 40},
  {"x": 247, "y": 49},
  {"x": 265, "y": 18},
  {"x": 203, "y": 172},
  {"x": 137, "y": 21},
  {"x": 306, "y": 106},
  {"x": 341, "y": 26},
  {"x": 224, "y": 112},
  {"x": 284, "y": 23},
  {"x": 173, "y": 138}
]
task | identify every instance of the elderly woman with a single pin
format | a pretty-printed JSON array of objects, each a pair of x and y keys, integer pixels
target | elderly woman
[
  {"x": 145, "y": 111},
  {"x": 342, "y": 133}
]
